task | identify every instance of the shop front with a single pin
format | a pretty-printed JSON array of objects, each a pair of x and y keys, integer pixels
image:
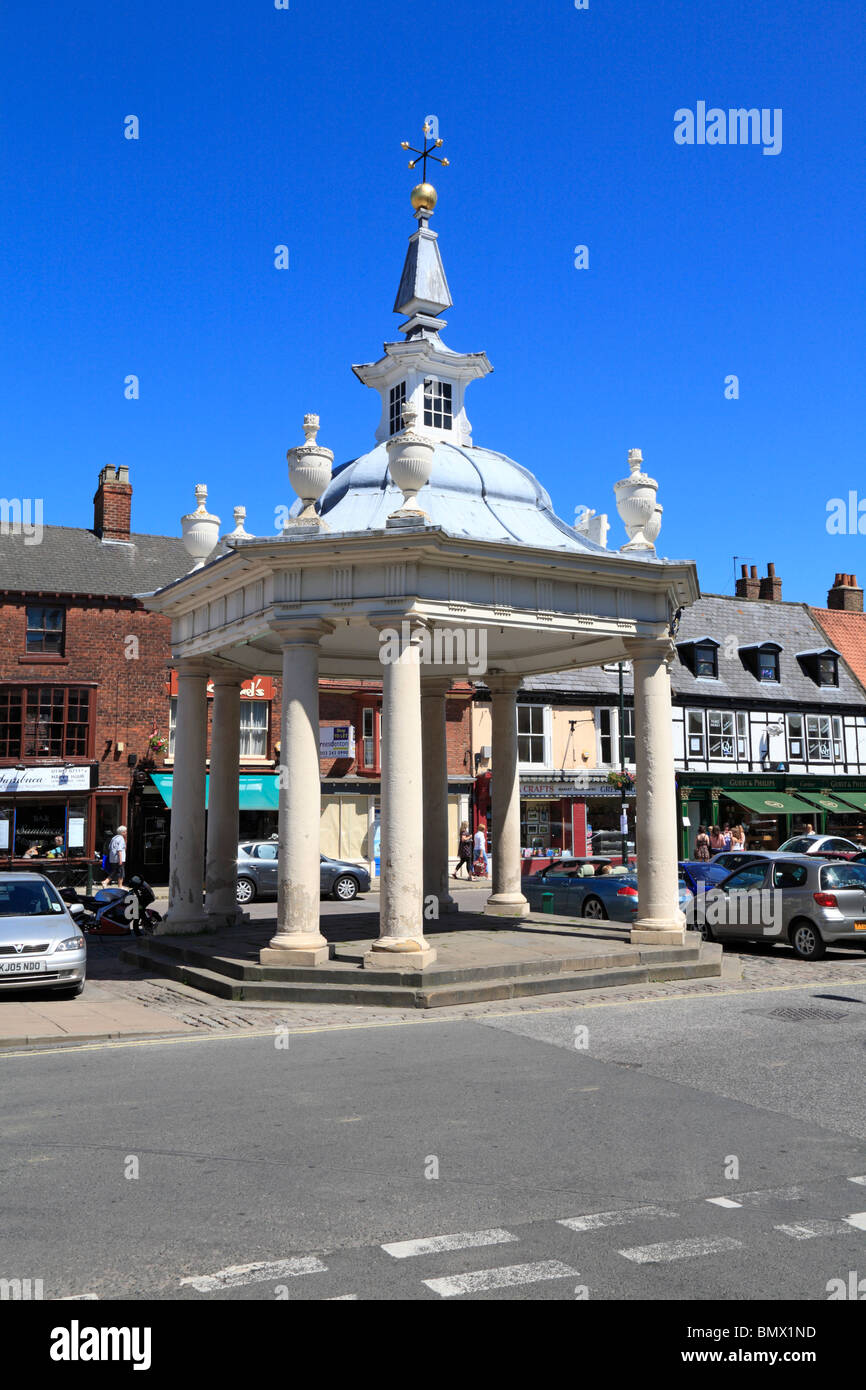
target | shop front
[
  {"x": 150, "y": 813},
  {"x": 771, "y": 808},
  {"x": 56, "y": 815},
  {"x": 574, "y": 815}
]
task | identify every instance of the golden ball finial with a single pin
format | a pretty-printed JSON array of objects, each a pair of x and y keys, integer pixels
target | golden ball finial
[{"x": 423, "y": 195}]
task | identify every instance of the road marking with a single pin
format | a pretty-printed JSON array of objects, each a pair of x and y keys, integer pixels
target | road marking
[
  {"x": 857, "y": 1219},
  {"x": 613, "y": 1218},
  {"x": 679, "y": 1249},
  {"x": 771, "y": 1194},
  {"x": 862, "y": 1180},
  {"x": 807, "y": 1230},
  {"x": 506, "y": 1277},
  {"x": 236, "y": 1275},
  {"x": 432, "y": 1245},
  {"x": 724, "y": 1202},
  {"x": 79, "y": 1298},
  {"x": 342, "y": 1298}
]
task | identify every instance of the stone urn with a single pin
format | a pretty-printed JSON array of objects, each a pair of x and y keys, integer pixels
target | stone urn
[
  {"x": 309, "y": 471},
  {"x": 410, "y": 462},
  {"x": 200, "y": 529},
  {"x": 636, "y": 503}
]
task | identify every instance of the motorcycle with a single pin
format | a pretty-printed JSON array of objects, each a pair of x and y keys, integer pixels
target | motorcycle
[{"x": 116, "y": 911}]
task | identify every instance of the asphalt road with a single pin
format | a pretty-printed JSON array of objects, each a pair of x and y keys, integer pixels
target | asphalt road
[{"x": 268, "y": 1171}]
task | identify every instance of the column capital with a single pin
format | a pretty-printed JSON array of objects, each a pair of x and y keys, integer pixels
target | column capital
[
  {"x": 191, "y": 666},
  {"x": 304, "y": 632},
  {"x": 433, "y": 687},
  {"x": 229, "y": 678},
  {"x": 503, "y": 682},
  {"x": 658, "y": 649}
]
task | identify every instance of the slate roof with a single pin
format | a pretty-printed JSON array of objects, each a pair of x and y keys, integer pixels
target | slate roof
[
  {"x": 847, "y": 631},
  {"x": 748, "y": 622},
  {"x": 71, "y": 560}
]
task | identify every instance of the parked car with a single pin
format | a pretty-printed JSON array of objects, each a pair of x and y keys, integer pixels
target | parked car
[
  {"x": 834, "y": 846},
  {"x": 580, "y": 889},
  {"x": 800, "y": 899},
  {"x": 257, "y": 874},
  {"x": 41, "y": 946},
  {"x": 694, "y": 872},
  {"x": 731, "y": 859}
]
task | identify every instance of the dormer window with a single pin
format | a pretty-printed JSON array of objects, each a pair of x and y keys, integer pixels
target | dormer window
[
  {"x": 397, "y": 400},
  {"x": 437, "y": 404},
  {"x": 763, "y": 659},
  {"x": 822, "y": 665},
  {"x": 828, "y": 670},
  {"x": 707, "y": 661},
  {"x": 768, "y": 664}
]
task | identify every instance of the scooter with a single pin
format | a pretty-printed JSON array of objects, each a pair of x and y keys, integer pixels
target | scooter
[{"x": 116, "y": 911}]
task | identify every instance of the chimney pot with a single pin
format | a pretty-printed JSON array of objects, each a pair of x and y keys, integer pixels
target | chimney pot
[
  {"x": 845, "y": 595},
  {"x": 754, "y": 573}
]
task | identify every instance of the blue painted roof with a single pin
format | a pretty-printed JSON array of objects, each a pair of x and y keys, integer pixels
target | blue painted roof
[{"x": 474, "y": 493}]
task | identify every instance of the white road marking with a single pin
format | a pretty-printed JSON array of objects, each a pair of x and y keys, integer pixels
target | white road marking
[
  {"x": 503, "y": 1278},
  {"x": 251, "y": 1274},
  {"x": 79, "y": 1298},
  {"x": 862, "y": 1180},
  {"x": 431, "y": 1245},
  {"x": 613, "y": 1218},
  {"x": 342, "y": 1298},
  {"x": 807, "y": 1230},
  {"x": 771, "y": 1194},
  {"x": 679, "y": 1249},
  {"x": 723, "y": 1202},
  {"x": 857, "y": 1219}
]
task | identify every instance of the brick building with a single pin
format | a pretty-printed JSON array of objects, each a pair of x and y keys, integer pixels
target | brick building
[{"x": 87, "y": 700}]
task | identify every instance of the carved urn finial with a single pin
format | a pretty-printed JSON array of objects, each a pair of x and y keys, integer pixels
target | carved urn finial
[
  {"x": 309, "y": 473},
  {"x": 200, "y": 529},
  {"x": 636, "y": 503},
  {"x": 410, "y": 463}
]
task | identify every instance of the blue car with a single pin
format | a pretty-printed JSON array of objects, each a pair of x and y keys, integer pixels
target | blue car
[{"x": 581, "y": 888}]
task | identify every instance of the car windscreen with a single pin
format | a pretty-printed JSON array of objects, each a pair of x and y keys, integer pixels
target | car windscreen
[
  {"x": 28, "y": 900},
  {"x": 708, "y": 873},
  {"x": 843, "y": 876}
]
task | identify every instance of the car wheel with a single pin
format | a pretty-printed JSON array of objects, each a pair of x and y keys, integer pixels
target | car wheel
[
  {"x": 807, "y": 941},
  {"x": 706, "y": 931},
  {"x": 345, "y": 888},
  {"x": 245, "y": 891},
  {"x": 595, "y": 910}
]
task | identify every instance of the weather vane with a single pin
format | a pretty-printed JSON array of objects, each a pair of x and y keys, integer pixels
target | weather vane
[{"x": 425, "y": 154}]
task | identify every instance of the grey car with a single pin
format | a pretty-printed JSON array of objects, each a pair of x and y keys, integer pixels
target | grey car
[
  {"x": 41, "y": 946},
  {"x": 257, "y": 874},
  {"x": 798, "y": 899}
]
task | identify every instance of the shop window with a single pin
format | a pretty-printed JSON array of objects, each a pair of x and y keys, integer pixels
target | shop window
[
  {"x": 818, "y": 738},
  {"x": 396, "y": 402},
  {"x": 437, "y": 404},
  {"x": 530, "y": 735},
  {"x": 695, "y": 733},
  {"x": 720, "y": 733},
  {"x": 254, "y": 728},
  {"x": 44, "y": 721},
  {"x": 45, "y": 629}
]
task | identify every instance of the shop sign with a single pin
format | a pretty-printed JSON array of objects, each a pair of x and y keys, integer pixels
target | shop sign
[
  {"x": 44, "y": 779},
  {"x": 256, "y": 688},
  {"x": 336, "y": 741}
]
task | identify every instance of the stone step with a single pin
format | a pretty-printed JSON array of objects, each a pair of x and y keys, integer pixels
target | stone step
[{"x": 395, "y": 990}]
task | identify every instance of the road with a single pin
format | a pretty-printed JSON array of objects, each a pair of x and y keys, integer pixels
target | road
[{"x": 550, "y": 1153}]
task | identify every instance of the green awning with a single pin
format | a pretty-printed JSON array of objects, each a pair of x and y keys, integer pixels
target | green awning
[
  {"x": 855, "y": 800},
  {"x": 770, "y": 803},
  {"x": 828, "y": 803},
  {"x": 255, "y": 793}
]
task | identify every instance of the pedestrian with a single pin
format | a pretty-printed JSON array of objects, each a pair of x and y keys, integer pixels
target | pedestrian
[
  {"x": 56, "y": 850},
  {"x": 464, "y": 851},
  {"x": 480, "y": 851},
  {"x": 116, "y": 858},
  {"x": 726, "y": 835},
  {"x": 702, "y": 844},
  {"x": 717, "y": 843},
  {"x": 738, "y": 838}
]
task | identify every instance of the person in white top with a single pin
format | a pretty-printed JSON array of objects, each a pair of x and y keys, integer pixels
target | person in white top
[
  {"x": 116, "y": 858},
  {"x": 480, "y": 849}
]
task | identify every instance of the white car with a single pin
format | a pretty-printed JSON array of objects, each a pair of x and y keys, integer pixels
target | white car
[
  {"x": 41, "y": 945},
  {"x": 820, "y": 844}
]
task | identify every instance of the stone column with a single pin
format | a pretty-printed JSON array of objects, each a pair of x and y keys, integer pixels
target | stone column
[
  {"x": 434, "y": 751},
  {"x": 298, "y": 940},
  {"x": 221, "y": 867},
  {"x": 507, "y": 898},
  {"x": 185, "y": 913},
  {"x": 401, "y": 944},
  {"x": 660, "y": 921}
]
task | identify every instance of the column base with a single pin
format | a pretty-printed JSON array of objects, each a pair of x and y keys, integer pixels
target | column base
[
  {"x": 446, "y": 904},
  {"x": 401, "y": 955},
  {"x": 226, "y": 917},
  {"x": 182, "y": 924},
  {"x": 300, "y": 949},
  {"x": 661, "y": 934},
  {"x": 506, "y": 905}
]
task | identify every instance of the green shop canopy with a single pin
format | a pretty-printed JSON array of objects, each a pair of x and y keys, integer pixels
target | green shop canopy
[
  {"x": 254, "y": 793},
  {"x": 856, "y": 800},
  {"x": 770, "y": 803},
  {"x": 829, "y": 803}
]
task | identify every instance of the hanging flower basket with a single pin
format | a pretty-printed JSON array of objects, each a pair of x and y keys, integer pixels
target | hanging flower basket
[
  {"x": 623, "y": 780},
  {"x": 157, "y": 744}
]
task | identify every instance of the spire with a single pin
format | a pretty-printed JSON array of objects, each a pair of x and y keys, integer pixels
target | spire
[{"x": 423, "y": 291}]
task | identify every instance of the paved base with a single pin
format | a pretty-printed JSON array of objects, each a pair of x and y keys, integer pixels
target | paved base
[{"x": 475, "y": 962}]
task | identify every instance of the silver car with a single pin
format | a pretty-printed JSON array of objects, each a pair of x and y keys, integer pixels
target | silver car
[
  {"x": 257, "y": 874},
  {"x": 799, "y": 899},
  {"x": 41, "y": 946}
]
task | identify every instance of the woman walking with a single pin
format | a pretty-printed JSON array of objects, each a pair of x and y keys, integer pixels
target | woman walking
[
  {"x": 702, "y": 844},
  {"x": 464, "y": 852}
]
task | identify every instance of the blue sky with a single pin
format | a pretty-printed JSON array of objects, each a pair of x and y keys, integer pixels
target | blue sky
[{"x": 262, "y": 126}]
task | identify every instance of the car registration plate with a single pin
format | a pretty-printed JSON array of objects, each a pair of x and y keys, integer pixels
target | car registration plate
[
  {"x": 24, "y": 967},
  {"x": 860, "y": 926}
]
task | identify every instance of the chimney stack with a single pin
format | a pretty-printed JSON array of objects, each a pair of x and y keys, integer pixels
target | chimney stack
[
  {"x": 771, "y": 587},
  {"x": 748, "y": 585},
  {"x": 112, "y": 504},
  {"x": 845, "y": 594}
]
